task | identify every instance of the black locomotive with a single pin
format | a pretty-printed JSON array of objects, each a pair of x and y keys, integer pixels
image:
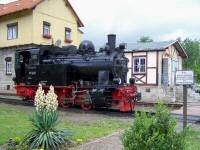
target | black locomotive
[
  {"x": 60, "y": 66},
  {"x": 97, "y": 77}
]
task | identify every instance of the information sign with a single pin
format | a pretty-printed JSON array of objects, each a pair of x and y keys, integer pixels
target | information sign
[{"x": 184, "y": 77}]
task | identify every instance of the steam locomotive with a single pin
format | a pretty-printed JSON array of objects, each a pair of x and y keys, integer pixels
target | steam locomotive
[{"x": 80, "y": 76}]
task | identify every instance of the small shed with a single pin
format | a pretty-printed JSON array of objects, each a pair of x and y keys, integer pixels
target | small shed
[{"x": 154, "y": 63}]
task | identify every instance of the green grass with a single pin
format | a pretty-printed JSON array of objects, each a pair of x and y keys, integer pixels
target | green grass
[
  {"x": 14, "y": 122},
  {"x": 193, "y": 139},
  {"x": 88, "y": 131}
]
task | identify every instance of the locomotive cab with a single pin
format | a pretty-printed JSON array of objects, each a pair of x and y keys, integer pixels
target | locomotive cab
[{"x": 25, "y": 59}]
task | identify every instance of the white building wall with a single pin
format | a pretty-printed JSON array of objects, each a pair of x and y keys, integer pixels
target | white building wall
[
  {"x": 129, "y": 56},
  {"x": 151, "y": 76},
  {"x": 151, "y": 59},
  {"x": 129, "y": 74},
  {"x": 151, "y": 67},
  {"x": 139, "y": 54}
]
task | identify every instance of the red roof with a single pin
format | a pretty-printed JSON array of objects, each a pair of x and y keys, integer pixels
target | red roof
[
  {"x": 21, "y": 5},
  {"x": 18, "y": 6}
]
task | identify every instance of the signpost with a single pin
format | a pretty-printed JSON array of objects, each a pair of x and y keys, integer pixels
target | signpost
[{"x": 184, "y": 78}]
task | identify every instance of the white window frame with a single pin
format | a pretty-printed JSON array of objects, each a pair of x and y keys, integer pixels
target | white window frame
[
  {"x": 139, "y": 65},
  {"x": 12, "y": 31},
  {"x": 8, "y": 67},
  {"x": 46, "y": 28},
  {"x": 68, "y": 34}
]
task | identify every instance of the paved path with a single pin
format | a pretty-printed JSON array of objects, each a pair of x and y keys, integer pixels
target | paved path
[
  {"x": 111, "y": 142},
  {"x": 193, "y": 109}
]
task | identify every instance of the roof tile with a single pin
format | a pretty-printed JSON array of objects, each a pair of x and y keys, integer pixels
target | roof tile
[
  {"x": 18, "y": 6},
  {"x": 155, "y": 46},
  {"x": 148, "y": 46}
]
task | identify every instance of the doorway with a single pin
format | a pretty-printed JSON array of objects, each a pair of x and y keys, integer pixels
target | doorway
[{"x": 165, "y": 75}]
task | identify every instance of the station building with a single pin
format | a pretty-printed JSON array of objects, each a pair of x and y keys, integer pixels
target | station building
[
  {"x": 153, "y": 65},
  {"x": 28, "y": 23}
]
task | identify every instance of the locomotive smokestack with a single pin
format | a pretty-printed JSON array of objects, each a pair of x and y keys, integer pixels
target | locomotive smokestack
[{"x": 112, "y": 41}]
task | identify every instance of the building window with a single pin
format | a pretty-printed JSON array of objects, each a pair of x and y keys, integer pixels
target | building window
[
  {"x": 8, "y": 65},
  {"x": 68, "y": 35},
  {"x": 139, "y": 65},
  {"x": 46, "y": 30},
  {"x": 12, "y": 32}
]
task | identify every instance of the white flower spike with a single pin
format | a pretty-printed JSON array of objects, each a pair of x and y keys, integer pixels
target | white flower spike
[{"x": 48, "y": 101}]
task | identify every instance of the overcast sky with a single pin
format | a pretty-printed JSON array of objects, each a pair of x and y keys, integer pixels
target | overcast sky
[{"x": 162, "y": 20}]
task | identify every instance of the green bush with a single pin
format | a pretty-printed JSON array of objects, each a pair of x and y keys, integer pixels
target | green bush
[
  {"x": 45, "y": 133},
  {"x": 156, "y": 132}
]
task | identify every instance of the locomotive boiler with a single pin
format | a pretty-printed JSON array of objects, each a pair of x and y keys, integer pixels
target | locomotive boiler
[{"x": 81, "y": 76}]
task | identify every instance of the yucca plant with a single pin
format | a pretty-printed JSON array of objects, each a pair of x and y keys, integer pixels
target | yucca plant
[
  {"x": 45, "y": 120},
  {"x": 45, "y": 133}
]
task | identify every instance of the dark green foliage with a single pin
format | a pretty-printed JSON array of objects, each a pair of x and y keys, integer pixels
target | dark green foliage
[
  {"x": 11, "y": 145},
  {"x": 154, "y": 132},
  {"x": 145, "y": 39},
  {"x": 11, "y": 148},
  {"x": 197, "y": 73},
  {"x": 44, "y": 133},
  {"x": 193, "y": 51},
  {"x": 14, "y": 144}
]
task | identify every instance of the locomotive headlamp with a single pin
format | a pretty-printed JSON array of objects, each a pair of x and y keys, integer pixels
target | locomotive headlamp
[{"x": 117, "y": 81}]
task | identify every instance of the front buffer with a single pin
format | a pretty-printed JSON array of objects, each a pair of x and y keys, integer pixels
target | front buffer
[{"x": 124, "y": 98}]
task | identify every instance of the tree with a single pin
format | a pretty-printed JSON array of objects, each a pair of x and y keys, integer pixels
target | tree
[
  {"x": 145, "y": 39},
  {"x": 193, "y": 51}
]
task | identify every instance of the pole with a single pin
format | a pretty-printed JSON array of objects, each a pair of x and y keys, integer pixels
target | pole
[{"x": 184, "y": 106}]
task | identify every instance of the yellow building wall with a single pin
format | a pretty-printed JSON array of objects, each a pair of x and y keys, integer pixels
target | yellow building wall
[
  {"x": 79, "y": 36},
  {"x": 56, "y": 13},
  {"x": 25, "y": 29}
]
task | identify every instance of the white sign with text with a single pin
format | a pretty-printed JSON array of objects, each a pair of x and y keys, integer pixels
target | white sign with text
[{"x": 184, "y": 77}]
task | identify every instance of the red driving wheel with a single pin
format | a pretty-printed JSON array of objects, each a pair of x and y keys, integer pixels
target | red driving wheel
[
  {"x": 65, "y": 105},
  {"x": 86, "y": 107}
]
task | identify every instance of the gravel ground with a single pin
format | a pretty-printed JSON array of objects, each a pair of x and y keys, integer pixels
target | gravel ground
[{"x": 78, "y": 115}]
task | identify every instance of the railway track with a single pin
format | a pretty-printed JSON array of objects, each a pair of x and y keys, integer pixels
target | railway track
[{"x": 13, "y": 101}]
